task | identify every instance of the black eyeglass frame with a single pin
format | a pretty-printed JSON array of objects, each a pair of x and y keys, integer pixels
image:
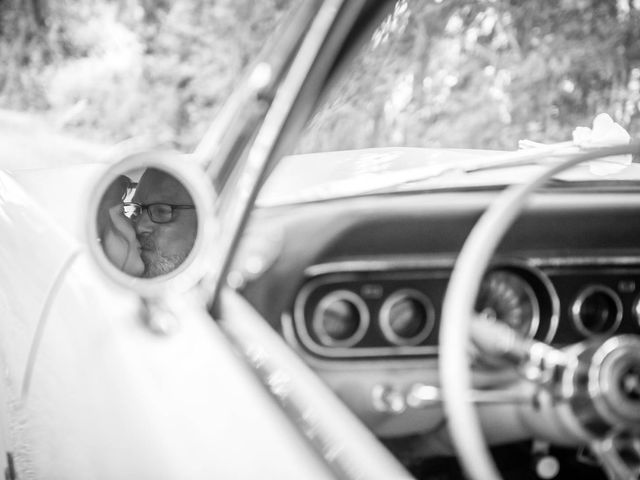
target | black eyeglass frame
[{"x": 140, "y": 208}]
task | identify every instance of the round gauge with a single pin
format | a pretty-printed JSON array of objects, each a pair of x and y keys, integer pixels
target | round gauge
[
  {"x": 507, "y": 297},
  {"x": 597, "y": 310},
  {"x": 340, "y": 319},
  {"x": 407, "y": 317}
]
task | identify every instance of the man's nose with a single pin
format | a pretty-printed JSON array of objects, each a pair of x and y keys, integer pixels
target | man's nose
[{"x": 143, "y": 223}]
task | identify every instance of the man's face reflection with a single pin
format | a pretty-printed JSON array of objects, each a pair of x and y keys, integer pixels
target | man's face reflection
[{"x": 164, "y": 246}]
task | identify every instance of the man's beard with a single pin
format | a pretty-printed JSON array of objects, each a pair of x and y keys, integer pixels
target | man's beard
[
  {"x": 161, "y": 265},
  {"x": 155, "y": 263}
]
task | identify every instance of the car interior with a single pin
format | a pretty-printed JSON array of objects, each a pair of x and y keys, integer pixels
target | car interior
[
  {"x": 354, "y": 280},
  {"x": 365, "y": 282}
]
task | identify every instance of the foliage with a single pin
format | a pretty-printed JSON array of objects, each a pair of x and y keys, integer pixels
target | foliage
[
  {"x": 452, "y": 73},
  {"x": 111, "y": 70},
  {"x": 486, "y": 74}
]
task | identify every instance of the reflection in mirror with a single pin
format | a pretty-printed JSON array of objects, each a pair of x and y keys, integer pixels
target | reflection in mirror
[{"x": 147, "y": 223}]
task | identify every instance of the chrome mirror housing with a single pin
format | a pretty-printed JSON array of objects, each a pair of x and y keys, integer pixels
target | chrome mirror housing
[{"x": 151, "y": 223}]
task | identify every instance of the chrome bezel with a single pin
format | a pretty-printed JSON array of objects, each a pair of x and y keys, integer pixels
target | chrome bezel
[
  {"x": 531, "y": 294},
  {"x": 317, "y": 320},
  {"x": 384, "y": 317},
  {"x": 339, "y": 352},
  {"x": 628, "y": 354},
  {"x": 635, "y": 310},
  {"x": 579, "y": 301},
  {"x": 605, "y": 395},
  {"x": 532, "y": 267}
]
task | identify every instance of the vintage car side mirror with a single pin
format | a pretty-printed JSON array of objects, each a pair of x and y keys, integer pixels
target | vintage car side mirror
[{"x": 152, "y": 224}]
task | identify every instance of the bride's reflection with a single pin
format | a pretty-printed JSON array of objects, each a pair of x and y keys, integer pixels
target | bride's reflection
[{"x": 116, "y": 231}]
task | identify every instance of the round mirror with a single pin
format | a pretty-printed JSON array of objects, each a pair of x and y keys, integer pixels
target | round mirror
[{"x": 151, "y": 221}]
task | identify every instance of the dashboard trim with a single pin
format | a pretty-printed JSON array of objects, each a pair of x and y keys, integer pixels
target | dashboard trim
[
  {"x": 585, "y": 261},
  {"x": 340, "y": 364},
  {"x": 344, "y": 352},
  {"x": 418, "y": 262},
  {"x": 409, "y": 262},
  {"x": 347, "y": 268},
  {"x": 390, "y": 369},
  {"x": 540, "y": 267}
]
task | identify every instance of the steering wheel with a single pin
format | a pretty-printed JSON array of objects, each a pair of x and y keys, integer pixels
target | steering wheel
[{"x": 455, "y": 334}]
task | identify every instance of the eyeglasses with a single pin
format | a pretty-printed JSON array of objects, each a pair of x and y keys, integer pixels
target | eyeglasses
[{"x": 158, "y": 212}]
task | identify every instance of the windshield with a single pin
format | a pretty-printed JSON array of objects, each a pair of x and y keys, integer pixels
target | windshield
[
  {"x": 477, "y": 86},
  {"x": 491, "y": 75}
]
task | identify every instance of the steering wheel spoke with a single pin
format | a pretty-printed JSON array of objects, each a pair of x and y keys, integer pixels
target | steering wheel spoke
[{"x": 497, "y": 344}]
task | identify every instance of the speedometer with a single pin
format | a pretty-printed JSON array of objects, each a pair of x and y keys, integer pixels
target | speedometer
[{"x": 507, "y": 297}]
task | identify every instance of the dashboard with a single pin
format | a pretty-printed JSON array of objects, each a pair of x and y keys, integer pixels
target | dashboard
[
  {"x": 391, "y": 309},
  {"x": 356, "y": 287}
]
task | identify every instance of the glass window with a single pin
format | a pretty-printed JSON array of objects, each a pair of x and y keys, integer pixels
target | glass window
[{"x": 461, "y": 74}]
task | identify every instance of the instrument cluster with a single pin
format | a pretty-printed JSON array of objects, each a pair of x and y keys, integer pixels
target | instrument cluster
[{"x": 373, "y": 310}]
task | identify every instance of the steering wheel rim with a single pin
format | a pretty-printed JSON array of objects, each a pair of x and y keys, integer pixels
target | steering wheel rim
[{"x": 458, "y": 310}]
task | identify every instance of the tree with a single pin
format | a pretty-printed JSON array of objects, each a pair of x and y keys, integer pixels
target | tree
[
  {"x": 115, "y": 69},
  {"x": 486, "y": 74}
]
